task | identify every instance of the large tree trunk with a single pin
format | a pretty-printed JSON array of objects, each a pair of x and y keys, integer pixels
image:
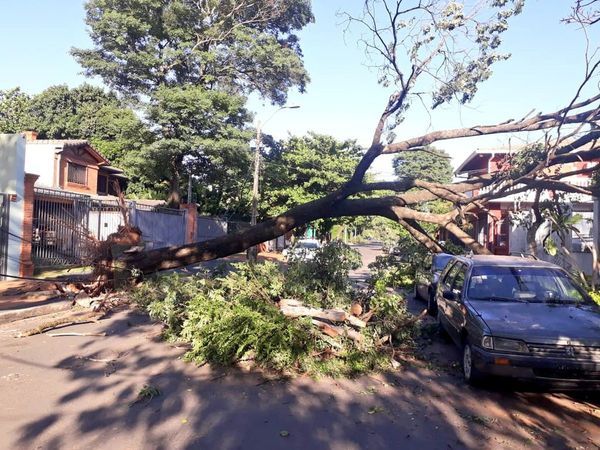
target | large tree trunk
[
  {"x": 327, "y": 207},
  {"x": 174, "y": 198}
]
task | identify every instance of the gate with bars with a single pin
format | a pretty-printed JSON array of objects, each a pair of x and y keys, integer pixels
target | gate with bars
[
  {"x": 4, "y": 236},
  {"x": 60, "y": 228}
]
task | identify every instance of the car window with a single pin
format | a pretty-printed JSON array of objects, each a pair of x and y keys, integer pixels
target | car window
[
  {"x": 447, "y": 283},
  {"x": 459, "y": 279},
  {"x": 527, "y": 284}
]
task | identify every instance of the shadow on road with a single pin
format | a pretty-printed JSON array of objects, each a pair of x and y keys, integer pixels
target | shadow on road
[{"x": 76, "y": 392}]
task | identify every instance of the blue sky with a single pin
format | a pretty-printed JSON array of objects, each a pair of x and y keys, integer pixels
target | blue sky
[{"x": 343, "y": 98}]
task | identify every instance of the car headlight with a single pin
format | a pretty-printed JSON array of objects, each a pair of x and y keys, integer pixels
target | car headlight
[
  {"x": 504, "y": 345},
  {"x": 487, "y": 342}
]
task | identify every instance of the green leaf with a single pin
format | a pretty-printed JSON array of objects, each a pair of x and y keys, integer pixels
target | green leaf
[{"x": 551, "y": 247}]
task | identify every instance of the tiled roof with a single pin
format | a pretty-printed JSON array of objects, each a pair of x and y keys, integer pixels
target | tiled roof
[{"x": 63, "y": 142}]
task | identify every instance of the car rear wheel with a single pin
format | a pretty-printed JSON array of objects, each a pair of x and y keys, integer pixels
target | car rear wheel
[
  {"x": 417, "y": 296},
  {"x": 441, "y": 330},
  {"x": 470, "y": 373},
  {"x": 431, "y": 305}
]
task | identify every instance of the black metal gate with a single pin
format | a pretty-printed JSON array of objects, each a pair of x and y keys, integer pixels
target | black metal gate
[
  {"x": 60, "y": 228},
  {"x": 4, "y": 218}
]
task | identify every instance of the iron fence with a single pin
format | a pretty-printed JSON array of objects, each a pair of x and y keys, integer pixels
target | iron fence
[{"x": 67, "y": 225}]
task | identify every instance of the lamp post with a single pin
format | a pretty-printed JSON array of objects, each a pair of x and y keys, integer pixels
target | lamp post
[{"x": 253, "y": 251}]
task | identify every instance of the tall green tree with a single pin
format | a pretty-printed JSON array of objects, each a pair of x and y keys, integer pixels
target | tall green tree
[
  {"x": 144, "y": 47},
  {"x": 430, "y": 164},
  {"x": 200, "y": 132},
  {"x": 248, "y": 45},
  {"x": 14, "y": 111}
]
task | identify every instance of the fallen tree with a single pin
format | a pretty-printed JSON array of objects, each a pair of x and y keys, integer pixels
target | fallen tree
[{"x": 408, "y": 55}]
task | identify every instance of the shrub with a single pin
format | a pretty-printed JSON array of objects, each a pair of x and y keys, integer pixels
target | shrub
[
  {"x": 323, "y": 281},
  {"x": 167, "y": 298}
]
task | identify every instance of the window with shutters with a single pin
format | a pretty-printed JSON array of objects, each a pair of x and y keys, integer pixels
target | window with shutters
[{"x": 77, "y": 174}]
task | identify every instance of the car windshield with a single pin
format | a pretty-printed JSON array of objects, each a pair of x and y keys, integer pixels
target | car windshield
[
  {"x": 526, "y": 284},
  {"x": 440, "y": 261},
  {"x": 305, "y": 244}
]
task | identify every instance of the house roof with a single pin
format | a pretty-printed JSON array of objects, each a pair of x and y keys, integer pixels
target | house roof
[
  {"x": 478, "y": 157},
  {"x": 114, "y": 171},
  {"x": 481, "y": 155},
  {"x": 73, "y": 143}
]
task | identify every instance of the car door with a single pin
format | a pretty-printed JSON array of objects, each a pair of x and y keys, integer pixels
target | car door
[
  {"x": 444, "y": 285},
  {"x": 455, "y": 307}
]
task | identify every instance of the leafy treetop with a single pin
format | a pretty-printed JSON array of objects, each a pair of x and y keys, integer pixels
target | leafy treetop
[
  {"x": 241, "y": 45},
  {"x": 429, "y": 164}
]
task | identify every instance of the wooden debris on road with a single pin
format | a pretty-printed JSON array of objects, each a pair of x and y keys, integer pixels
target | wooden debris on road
[
  {"x": 335, "y": 315},
  {"x": 63, "y": 323},
  {"x": 297, "y": 309}
]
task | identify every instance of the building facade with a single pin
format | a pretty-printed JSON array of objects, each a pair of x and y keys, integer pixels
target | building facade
[{"x": 503, "y": 227}]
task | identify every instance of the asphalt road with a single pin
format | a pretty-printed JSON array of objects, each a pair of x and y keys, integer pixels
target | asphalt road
[
  {"x": 368, "y": 253},
  {"x": 79, "y": 392}
]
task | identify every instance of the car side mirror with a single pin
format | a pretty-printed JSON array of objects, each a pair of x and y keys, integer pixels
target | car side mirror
[{"x": 449, "y": 295}]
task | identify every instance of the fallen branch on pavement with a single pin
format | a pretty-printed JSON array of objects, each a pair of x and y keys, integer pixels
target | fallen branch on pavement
[
  {"x": 62, "y": 323},
  {"x": 75, "y": 334}
]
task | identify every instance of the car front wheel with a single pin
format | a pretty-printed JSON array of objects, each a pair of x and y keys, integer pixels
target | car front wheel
[{"x": 471, "y": 374}]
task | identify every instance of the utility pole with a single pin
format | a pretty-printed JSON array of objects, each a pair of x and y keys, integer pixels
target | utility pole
[{"x": 252, "y": 252}]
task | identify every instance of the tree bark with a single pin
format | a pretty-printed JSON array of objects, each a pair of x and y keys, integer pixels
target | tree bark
[{"x": 174, "y": 198}]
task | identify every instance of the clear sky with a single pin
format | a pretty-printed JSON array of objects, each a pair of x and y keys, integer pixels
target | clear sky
[{"x": 343, "y": 98}]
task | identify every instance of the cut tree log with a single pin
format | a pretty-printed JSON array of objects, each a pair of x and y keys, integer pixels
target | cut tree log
[
  {"x": 329, "y": 330},
  {"x": 367, "y": 316},
  {"x": 355, "y": 321},
  {"x": 335, "y": 330},
  {"x": 294, "y": 308},
  {"x": 334, "y": 315},
  {"x": 290, "y": 302}
]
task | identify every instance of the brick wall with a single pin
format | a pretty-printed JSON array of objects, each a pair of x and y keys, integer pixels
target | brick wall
[
  {"x": 191, "y": 222},
  {"x": 26, "y": 266}
]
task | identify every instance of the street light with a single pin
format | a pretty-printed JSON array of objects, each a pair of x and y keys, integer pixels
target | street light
[{"x": 253, "y": 251}]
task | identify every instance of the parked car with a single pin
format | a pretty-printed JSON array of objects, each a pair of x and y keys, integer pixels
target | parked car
[
  {"x": 302, "y": 249},
  {"x": 520, "y": 318},
  {"x": 426, "y": 279}
]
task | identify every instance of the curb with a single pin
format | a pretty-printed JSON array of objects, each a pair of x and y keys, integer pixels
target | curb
[{"x": 56, "y": 304}]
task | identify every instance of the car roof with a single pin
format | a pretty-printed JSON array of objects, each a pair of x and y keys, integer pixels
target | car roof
[{"x": 506, "y": 261}]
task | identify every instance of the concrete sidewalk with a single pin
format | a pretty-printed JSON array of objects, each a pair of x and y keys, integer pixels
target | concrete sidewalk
[{"x": 21, "y": 299}]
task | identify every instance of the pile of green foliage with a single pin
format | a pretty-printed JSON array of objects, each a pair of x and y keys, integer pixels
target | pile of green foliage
[{"x": 233, "y": 316}]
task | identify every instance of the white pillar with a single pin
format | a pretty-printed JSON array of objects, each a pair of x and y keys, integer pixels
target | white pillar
[{"x": 12, "y": 181}]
